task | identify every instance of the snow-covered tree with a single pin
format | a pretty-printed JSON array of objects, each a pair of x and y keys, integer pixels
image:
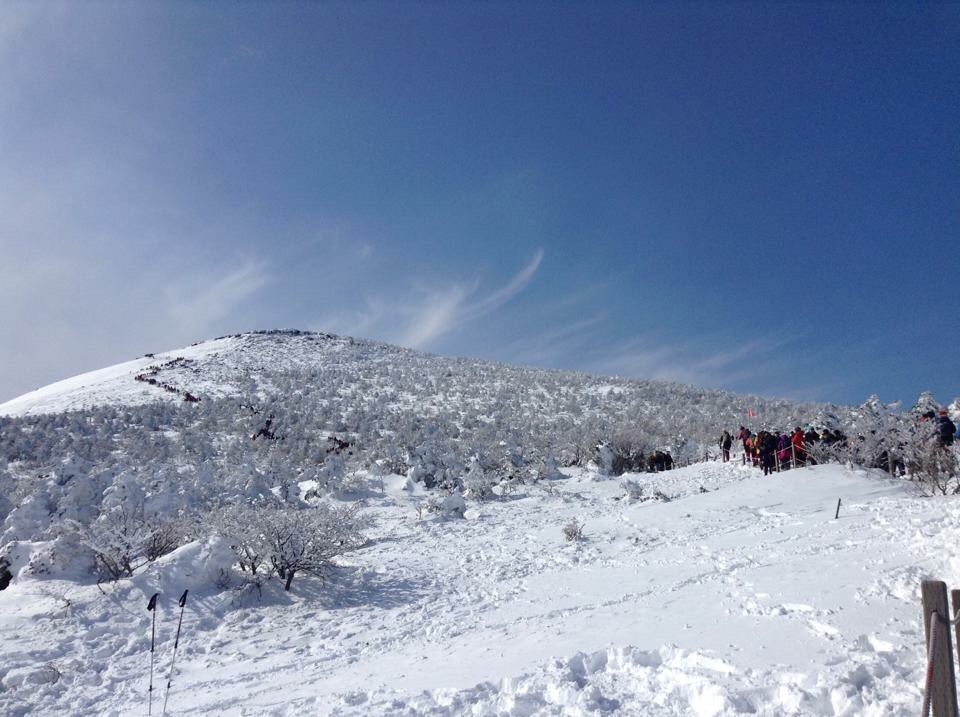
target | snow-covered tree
[
  {"x": 308, "y": 540},
  {"x": 124, "y": 539},
  {"x": 478, "y": 483}
]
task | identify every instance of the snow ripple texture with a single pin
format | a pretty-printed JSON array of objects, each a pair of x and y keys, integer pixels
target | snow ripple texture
[
  {"x": 741, "y": 595},
  {"x": 620, "y": 681}
]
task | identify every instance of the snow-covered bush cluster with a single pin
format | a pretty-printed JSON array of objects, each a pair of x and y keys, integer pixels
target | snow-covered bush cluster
[
  {"x": 288, "y": 541},
  {"x": 903, "y": 443},
  {"x": 107, "y": 490},
  {"x": 573, "y": 531}
]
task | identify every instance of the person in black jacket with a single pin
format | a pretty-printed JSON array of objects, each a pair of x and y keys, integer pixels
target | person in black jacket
[
  {"x": 945, "y": 429},
  {"x": 810, "y": 438},
  {"x": 768, "y": 448},
  {"x": 726, "y": 440}
]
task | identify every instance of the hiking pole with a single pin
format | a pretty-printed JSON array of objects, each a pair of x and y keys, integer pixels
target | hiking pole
[
  {"x": 176, "y": 644},
  {"x": 152, "y": 607}
]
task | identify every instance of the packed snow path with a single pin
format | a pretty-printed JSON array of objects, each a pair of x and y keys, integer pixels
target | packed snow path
[{"x": 746, "y": 599}]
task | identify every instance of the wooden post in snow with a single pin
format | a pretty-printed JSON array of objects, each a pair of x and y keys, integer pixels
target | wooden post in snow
[
  {"x": 837, "y": 514},
  {"x": 955, "y": 595},
  {"x": 943, "y": 690}
]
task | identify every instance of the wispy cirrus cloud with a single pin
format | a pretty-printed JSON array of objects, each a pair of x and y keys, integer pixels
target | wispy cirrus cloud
[
  {"x": 427, "y": 314},
  {"x": 556, "y": 346},
  {"x": 434, "y": 315},
  {"x": 704, "y": 362},
  {"x": 440, "y": 312},
  {"x": 196, "y": 309}
]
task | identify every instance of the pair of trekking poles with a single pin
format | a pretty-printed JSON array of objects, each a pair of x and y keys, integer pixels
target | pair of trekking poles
[{"x": 152, "y": 607}]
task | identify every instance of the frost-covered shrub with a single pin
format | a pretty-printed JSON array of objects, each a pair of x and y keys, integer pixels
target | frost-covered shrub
[
  {"x": 632, "y": 489},
  {"x": 343, "y": 478},
  {"x": 936, "y": 468},
  {"x": 128, "y": 534},
  {"x": 451, "y": 505},
  {"x": 549, "y": 469},
  {"x": 246, "y": 482},
  {"x": 332, "y": 473},
  {"x": 573, "y": 531},
  {"x": 288, "y": 539},
  {"x": 832, "y": 452},
  {"x": 124, "y": 539},
  {"x": 240, "y": 526},
  {"x": 605, "y": 459},
  {"x": 307, "y": 540},
  {"x": 623, "y": 454},
  {"x": 195, "y": 566},
  {"x": 435, "y": 466},
  {"x": 66, "y": 556},
  {"x": 660, "y": 496},
  {"x": 167, "y": 534},
  {"x": 31, "y": 519},
  {"x": 478, "y": 483},
  {"x": 393, "y": 464},
  {"x": 75, "y": 491},
  {"x": 7, "y": 489}
]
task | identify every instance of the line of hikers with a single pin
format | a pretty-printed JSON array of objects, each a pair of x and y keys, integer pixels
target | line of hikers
[
  {"x": 659, "y": 461},
  {"x": 775, "y": 451}
]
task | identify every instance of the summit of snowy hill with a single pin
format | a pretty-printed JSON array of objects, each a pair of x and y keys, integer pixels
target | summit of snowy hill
[{"x": 218, "y": 367}]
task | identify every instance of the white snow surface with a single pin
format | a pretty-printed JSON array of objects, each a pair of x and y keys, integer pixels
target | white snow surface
[
  {"x": 111, "y": 385},
  {"x": 745, "y": 599},
  {"x": 217, "y": 367}
]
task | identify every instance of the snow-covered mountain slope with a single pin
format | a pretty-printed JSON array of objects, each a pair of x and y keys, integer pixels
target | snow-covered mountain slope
[
  {"x": 745, "y": 599},
  {"x": 360, "y": 387},
  {"x": 222, "y": 366}
]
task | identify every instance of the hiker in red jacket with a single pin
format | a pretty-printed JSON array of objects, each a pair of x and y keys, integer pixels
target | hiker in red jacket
[{"x": 798, "y": 450}]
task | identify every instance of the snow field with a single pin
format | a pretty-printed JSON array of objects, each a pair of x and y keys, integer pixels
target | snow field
[{"x": 747, "y": 599}]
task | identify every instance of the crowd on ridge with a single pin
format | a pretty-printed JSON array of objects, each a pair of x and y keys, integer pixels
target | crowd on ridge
[
  {"x": 777, "y": 451},
  {"x": 659, "y": 461}
]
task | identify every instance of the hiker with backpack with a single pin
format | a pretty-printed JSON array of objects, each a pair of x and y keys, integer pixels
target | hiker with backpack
[
  {"x": 766, "y": 447},
  {"x": 783, "y": 451},
  {"x": 946, "y": 429}
]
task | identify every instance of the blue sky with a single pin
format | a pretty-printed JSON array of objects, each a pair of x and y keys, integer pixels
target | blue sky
[{"x": 761, "y": 197}]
